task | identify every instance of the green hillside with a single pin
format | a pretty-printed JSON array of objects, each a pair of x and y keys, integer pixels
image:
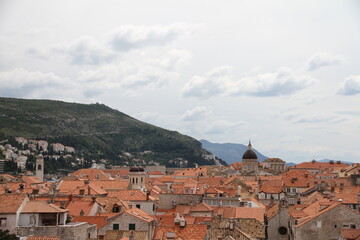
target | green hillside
[{"x": 95, "y": 131}]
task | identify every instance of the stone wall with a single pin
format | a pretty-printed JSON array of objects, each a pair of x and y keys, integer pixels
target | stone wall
[
  {"x": 167, "y": 200},
  {"x": 328, "y": 224},
  {"x": 72, "y": 231}
]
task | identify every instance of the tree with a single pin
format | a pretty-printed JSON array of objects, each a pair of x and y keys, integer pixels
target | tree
[{"x": 5, "y": 235}]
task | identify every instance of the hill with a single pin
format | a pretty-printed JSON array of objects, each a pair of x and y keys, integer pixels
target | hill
[
  {"x": 229, "y": 152},
  {"x": 96, "y": 131}
]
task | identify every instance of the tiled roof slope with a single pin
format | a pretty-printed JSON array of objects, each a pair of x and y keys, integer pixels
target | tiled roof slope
[{"x": 10, "y": 203}]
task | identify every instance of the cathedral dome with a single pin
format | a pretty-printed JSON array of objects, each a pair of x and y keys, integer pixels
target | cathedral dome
[{"x": 249, "y": 154}]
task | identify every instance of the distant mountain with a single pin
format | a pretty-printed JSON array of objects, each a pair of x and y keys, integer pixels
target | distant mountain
[
  {"x": 229, "y": 152},
  {"x": 96, "y": 131},
  {"x": 290, "y": 164}
]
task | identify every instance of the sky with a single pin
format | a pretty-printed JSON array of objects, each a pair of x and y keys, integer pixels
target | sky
[{"x": 285, "y": 74}]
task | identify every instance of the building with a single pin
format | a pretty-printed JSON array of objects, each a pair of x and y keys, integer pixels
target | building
[
  {"x": 137, "y": 178},
  {"x": 250, "y": 161},
  {"x": 40, "y": 167},
  {"x": 276, "y": 164}
]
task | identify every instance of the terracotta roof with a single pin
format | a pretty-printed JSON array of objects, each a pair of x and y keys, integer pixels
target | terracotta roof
[
  {"x": 42, "y": 238},
  {"x": 348, "y": 198},
  {"x": 117, "y": 172},
  {"x": 31, "y": 179},
  {"x": 76, "y": 206},
  {"x": 350, "y": 234},
  {"x": 100, "y": 221},
  {"x": 128, "y": 195},
  {"x": 237, "y": 165},
  {"x": 193, "y": 232},
  {"x": 191, "y": 172},
  {"x": 156, "y": 173},
  {"x": 271, "y": 189},
  {"x": 278, "y": 160},
  {"x": 319, "y": 165},
  {"x": 241, "y": 212},
  {"x": 202, "y": 207},
  {"x": 90, "y": 174},
  {"x": 139, "y": 214},
  {"x": 313, "y": 213},
  {"x": 73, "y": 187},
  {"x": 35, "y": 206},
  {"x": 111, "y": 185},
  {"x": 10, "y": 203}
]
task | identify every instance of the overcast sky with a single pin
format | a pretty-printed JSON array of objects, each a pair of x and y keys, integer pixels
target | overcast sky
[{"x": 284, "y": 73}]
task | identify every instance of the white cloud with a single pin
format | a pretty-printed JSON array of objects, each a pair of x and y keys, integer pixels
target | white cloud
[
  {"x": 127, "y": 37},
  {"x": 321, "y": 59},
  {"x": 196, "y": 114},
  {"x": 221, "y": 127},
  {"x": 296, "y": 117},
  {"x": 220, "y": 81},
  {"x": 23, "y": 83},
  {"x": 350, "y": 86},
  {"x": 84, "y": 50},
  {"x": 136, "y": 70}
]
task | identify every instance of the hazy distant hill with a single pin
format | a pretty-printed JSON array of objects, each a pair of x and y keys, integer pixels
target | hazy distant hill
[
  {"x": 229, "y": 152},
  {"x": 96, "y": 130}
]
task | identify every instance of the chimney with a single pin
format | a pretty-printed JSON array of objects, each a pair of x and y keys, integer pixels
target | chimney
[
  {"x": 89, "y": 192},
  {"x": 93, "y": 199},
  {"x": 62, "y": 204},
  {"x": 341, "y": 186},
  {"x": 147, "y": 196},
  {"x": 238, "y": 191},
  {"x": 177, "y": 219},
  {"x": 257, "y": 190},
  {"x": 182, "y": 222}
]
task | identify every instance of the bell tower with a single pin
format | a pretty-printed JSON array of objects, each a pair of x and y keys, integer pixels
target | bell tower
[{"x": 39, "y": 167}]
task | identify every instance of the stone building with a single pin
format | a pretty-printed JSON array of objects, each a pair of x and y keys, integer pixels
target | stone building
[
  {"x": 250, "y": 161},
  {"x": 276, "y": 164},
  {"x": 325, "y": 224},
  {"x": 278, "y": 222},
  {"x": 137, "y": 178},
  {"x": 132, "y": 219},
  {"x": 40, "y": 167}
]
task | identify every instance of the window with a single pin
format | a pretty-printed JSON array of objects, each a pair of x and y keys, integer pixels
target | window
[
  {"x": 282, "y": 230},
  {"x": 39, "y": 167},
  {"x": 318, "y": 224},
  {"x": 116, "y": 209},
  {"x": 116, "y": 226},
  {"x": 131, "y": 226},
  {"x": 138, "y": 206},
  {"x": 352, "y": 226},
  {"x": 3, "y": 222}
]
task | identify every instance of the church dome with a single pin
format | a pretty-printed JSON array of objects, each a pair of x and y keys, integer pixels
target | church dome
[{"x": 249, "y": 154}]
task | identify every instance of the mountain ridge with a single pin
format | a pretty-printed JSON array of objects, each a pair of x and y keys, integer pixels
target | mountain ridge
[{"x": 96, "y": 130}]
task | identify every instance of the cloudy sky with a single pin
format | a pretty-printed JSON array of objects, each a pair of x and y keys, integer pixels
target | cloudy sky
[{"x": 284, "y": 73}]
